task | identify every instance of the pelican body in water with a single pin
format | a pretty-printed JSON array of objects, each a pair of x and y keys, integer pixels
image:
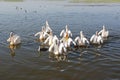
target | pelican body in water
[
  {"x": 104, "y": 33},
  {"x": 42, "y": 35},
  {"x": 66, "y": 34},
  {"x": 96, "y": 39},
  {"x": 58, "y": 49},
  {"x": 14, "y": 39},
  {"x": 82, "y": 40}
]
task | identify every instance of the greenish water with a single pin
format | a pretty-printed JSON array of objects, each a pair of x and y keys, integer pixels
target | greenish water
[{"x": 26, "y": 63}]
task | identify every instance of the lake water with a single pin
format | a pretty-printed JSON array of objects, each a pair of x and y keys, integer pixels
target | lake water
[{"x": 25, "y": 63}]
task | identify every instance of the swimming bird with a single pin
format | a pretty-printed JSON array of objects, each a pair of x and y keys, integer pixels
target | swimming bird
[
  {"x": 82, "y": 40},
  {"x": 66, "y": 33},
  {"x": 58, "y": 49},
  {"x": 96, "y": 39},
  {"x": 42, "y": 35},
  {"x": 62, "y": 48},
  {"x": 104, "y": 33},
  {"x": 54, "y": 48},
  {"x": 14, "y": 39}
]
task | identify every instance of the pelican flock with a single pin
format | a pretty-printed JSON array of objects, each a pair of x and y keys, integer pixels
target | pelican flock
[{"x": 60, "y": 47}]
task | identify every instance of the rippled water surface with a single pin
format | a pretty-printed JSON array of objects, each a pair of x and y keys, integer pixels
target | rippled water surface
[{"x": 25, "y": 63}]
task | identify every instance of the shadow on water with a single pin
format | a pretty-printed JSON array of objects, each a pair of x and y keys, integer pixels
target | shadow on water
[{"x": 13, "y": 48}]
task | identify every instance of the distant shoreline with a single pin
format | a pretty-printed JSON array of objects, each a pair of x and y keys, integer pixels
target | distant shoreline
[
  {"x": 81, "y": 2},
  {"x": 93, "y": 4},
  {"x": 94, "y": 1}
]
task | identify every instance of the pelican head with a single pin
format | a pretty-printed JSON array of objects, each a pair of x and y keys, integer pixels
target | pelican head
[
  {"x": 81, "y": 34},
  {"x": 43, "y": 28},
  {"x": 11, "y": 34},
  {"x": 97, "y": 33},
  {"x": 46, "y": 22},
  {"x": 66, "y": 28},
  {"x": 103, "y": 27}
]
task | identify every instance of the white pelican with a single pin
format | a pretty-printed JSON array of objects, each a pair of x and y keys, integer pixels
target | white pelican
[
  {"x": 104, "y": 33},
  {"x": 57, "y": 48},
  {"x": 42, "y": 35},
  {"x": 96, "y": 39},
  {"x": 66, "y": 33},
  {"x": 14, "y": 39},
  {"x": 62, "y": 48},
  {"x": 82, "y": 40}
]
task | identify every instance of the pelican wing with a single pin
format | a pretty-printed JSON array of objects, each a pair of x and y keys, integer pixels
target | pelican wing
[
  {"x": 38, "y": 33},
  {"x": 8, "y": 40},
  {"x": 62, "y": 32},
  {"x": 61, "y": 48},
  {"x": 77, "y": 38},
  {"x": 107, "y": 33},
  {"x": 48, "y": 27},
  {"x": 99, "y": 40},
  {"x": 92, "y": 38},
  {"x": 55, "y": 38},
  {"x": 51, "y": 48},
  {"x": 70, "y": 40},
  {"x": 85, "y": 40},
  {"x": 47, "y": 40},
  {"x": 70, "y": 33},
  {"x": 16, "y": 39},
  {"x": 45, "y": 34},
  {"x": 100, "y": 32}
]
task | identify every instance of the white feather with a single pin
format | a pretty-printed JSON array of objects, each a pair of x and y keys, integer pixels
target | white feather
[{"x": 62, "y": 32}]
